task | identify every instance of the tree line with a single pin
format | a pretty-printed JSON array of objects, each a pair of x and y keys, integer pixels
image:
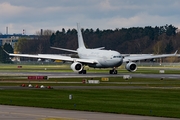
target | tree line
[{"x": 135, "y": 40}]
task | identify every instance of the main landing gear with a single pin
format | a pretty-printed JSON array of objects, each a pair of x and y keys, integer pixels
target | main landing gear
[
  {"x": 82, "y": 71},
  {"x": 113, "y": 71}
]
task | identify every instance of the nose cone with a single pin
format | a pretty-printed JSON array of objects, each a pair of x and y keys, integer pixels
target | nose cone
[
  {"x": 118, "y": 59},
  {"x": 119, "y": 62}
]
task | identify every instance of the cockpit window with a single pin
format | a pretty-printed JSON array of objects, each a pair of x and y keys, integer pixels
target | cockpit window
[{"x": 116, "y": 56}]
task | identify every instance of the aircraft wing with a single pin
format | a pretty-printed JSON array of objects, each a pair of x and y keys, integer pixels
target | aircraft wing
[
  {"x": 146, "y": 56},
  {"x": 55, "y": 57},
  {"x": 75, "y": 51},
  {"x": 67, "y": 58}
]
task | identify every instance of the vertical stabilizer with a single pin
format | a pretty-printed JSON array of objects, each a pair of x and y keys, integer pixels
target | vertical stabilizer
[{"x": 80, "y": 38}]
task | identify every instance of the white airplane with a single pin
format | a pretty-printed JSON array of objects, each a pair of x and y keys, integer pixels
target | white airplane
[{"x": 96, "y": 58}]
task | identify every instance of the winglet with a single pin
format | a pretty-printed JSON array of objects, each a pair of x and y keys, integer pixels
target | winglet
[
  {"x": 5, "y": 51},
  {"x": 176, "y": 52}
]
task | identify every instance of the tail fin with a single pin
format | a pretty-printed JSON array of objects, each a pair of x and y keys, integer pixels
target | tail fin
[{"x": 80, "y": 38}]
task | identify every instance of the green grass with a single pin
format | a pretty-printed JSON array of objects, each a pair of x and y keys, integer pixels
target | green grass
[
  {"x": 113, "y": 81},
  {"x": 157, "y": 98},
  {"x": 151, "y": 102}
]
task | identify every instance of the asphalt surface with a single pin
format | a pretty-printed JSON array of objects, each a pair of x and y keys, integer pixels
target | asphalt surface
[
  {"x": 31, "y": 113},
  {"x": 90, "y": 75}
]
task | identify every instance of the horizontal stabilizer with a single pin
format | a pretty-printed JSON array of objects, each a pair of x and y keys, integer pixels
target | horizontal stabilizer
[
  {"x": 100, "y": 48},
  {"x": 64, "y": 49}
]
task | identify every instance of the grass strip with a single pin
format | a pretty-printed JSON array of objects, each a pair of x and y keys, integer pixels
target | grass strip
[{"x": 151, "y": 102}]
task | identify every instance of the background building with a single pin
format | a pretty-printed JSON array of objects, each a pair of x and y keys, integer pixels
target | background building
[{"x": 12, "y": 39}]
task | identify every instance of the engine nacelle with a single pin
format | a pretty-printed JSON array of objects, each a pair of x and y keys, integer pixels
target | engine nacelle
[
  {"x": 131, "y": 66},
  {"x": 76, "y": 66}
]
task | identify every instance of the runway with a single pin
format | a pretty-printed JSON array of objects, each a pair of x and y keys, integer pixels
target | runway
[
  {"x": 32, "y": 113},
  {"x": 88, "y": 75}
]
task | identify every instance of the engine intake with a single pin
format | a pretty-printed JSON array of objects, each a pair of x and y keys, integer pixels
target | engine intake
[
  {"x": 76, "y": 66},
  {"x": 131, "y": 67}
]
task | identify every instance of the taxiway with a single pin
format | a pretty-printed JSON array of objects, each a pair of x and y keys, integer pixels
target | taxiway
[{"x": 31, "y": 113}]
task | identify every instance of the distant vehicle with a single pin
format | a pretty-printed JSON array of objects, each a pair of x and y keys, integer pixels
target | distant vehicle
[
  {"x": 96, "y": 58},
  {"x": 42, "y": 86},
  {"x": 30, "y": 86}
]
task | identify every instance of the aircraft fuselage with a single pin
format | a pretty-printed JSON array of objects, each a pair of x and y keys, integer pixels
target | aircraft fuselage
[{"x": 105, "y": 58}]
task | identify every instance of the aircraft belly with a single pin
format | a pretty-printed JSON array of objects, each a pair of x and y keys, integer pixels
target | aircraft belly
[
  {"x": 106, "y": 64},
  {"x": 111, "y": 63}
]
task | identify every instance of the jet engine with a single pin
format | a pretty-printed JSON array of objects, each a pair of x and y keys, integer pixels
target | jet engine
[
  {"x": 131, "y": 66},
  {"x": 76, "y": 66}
]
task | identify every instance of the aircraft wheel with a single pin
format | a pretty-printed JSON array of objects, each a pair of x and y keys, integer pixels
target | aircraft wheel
[
  {"x": 82, "y": 72},
  {"x": 113, "y": 72}
]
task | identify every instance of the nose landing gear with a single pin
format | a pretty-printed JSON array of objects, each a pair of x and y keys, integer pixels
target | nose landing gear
[{"x": 113, "y": 71}]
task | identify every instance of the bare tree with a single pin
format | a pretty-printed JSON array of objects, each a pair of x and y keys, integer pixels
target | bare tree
[{"x": 45, "y": 32}]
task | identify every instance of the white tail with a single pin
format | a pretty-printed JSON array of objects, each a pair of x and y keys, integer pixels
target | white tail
[{"x": 80, "y": 38}]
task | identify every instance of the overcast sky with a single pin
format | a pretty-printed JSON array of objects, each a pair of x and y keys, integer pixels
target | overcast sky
[{"x": 33, "y": 15}]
